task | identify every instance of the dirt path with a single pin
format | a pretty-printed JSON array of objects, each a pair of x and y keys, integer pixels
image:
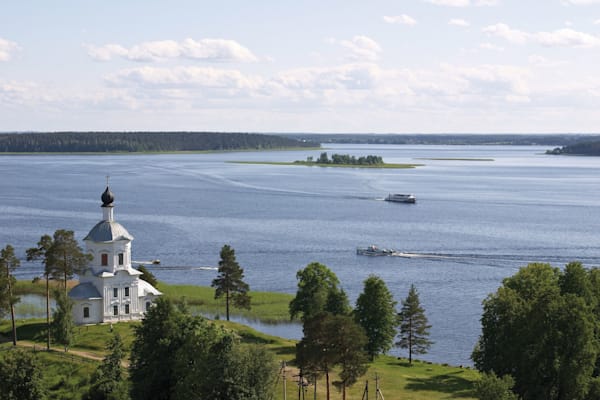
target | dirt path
[{"x": 79, "y": 353}]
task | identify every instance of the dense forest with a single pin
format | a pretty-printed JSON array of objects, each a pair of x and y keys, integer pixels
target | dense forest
[
  {"x": 142, "y": 142},
  {"x": 447, "y": 138},
  {"x": 588, "y": 148}
]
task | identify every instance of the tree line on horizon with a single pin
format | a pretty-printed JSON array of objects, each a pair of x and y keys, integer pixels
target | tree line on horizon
[{"x": 50, "y": 142}]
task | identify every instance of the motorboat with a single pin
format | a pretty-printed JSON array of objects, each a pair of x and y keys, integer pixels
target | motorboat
[
  {"x": 373, "y": 250},
  {"x": 401, "y": 198}
]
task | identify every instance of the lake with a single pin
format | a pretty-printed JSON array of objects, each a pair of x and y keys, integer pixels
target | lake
[{"x": 474, "y": 223}]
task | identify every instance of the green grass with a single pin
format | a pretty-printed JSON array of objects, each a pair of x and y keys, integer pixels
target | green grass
[
  {"x": 64, "y": 376},
  {"x": 266, "y": 306},
  {"x": 314, "y": 164}
]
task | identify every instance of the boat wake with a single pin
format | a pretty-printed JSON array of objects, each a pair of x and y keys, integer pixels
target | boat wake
[{"x": 182, "y": 268}]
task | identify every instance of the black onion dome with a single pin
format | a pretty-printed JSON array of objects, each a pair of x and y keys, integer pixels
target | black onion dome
[{"x": 107, "y": 198}]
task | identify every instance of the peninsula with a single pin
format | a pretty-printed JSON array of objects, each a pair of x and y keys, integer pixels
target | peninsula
[{"x": 144, "y": 142}]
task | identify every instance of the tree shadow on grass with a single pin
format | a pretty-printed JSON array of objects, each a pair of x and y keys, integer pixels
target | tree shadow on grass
[
  {"x": 35, "y": 331},
  {"x": 451, "y": 383},
  {"x": 284, "y": 350}
]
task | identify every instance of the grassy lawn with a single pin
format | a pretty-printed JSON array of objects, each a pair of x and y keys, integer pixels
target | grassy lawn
[
  {"x": 266, "y": 306},
  {"x": 314, "y": 164},
  {"x": 39, "y": 287}
]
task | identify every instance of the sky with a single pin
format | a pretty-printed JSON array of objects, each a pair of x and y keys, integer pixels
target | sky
[{"x": 331, "y": 66}]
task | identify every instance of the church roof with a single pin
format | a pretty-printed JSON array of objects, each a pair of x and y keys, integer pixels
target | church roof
[
  {"x": 145, "y": 289},
  {"x": 85, "y": 291},
  {"x": 108, "y": 231}
]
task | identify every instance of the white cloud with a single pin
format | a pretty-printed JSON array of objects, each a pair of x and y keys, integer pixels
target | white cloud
[
  {"x": 183, "y": 77},
  {"x": 348, "y": 76},
  {"x": 6, "y": 49},
  {"x": 580, "y": 2},
  {"x": 204, "y": 49},
  {"x": 597, "y": 22},
  {"x": 458, "y": 22},
  {"x": 565, "y": 37},
  {"x": 540, "y": 61},
  {"x": 507, "y": 33},
  {"x": 464, "y": 3},
  {"x": 491, "y": 46},
  {"x": 362, "y": 48},
  {"x": 450, "y": 3},
  {"x": 400, "y": 19},
  {"x": 106, "y": 52}
]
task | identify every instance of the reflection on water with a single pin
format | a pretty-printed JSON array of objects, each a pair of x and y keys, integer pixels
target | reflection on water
[
  {"x": 32, "y": 306},
  {"x": 287, "y": 330}
]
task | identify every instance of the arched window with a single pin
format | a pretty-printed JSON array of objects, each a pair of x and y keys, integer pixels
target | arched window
[{"x": 86, "y": 312}]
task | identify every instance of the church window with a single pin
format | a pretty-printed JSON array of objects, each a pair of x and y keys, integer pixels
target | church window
[
  {"x": 126, "y": 292},
  {"x": 126, "y": 308},
  {"x": 104, "y": 259},
  {"x": 115, "y": 292},
  {"x": 86, "y": 312},
  {"x": 115, "y": 310},
  {"x": 120, "y": 258}
]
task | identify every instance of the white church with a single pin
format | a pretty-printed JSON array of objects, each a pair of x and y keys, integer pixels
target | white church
[{"x": 110, "y": 289}]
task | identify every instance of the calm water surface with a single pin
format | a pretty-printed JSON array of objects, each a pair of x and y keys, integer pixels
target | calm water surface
[{"x": 475, "y": 222}]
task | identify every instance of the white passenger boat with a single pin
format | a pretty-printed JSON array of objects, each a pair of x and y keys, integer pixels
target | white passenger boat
[{"x": 401, "y": 198}]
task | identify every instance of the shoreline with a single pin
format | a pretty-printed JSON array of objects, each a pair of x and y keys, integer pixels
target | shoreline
[
  {"x": 135, "y": 153},
  {"x": 267, "y": 307}
]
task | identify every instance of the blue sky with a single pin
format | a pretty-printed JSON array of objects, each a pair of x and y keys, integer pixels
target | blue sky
[{"x": 418, "y": 66}]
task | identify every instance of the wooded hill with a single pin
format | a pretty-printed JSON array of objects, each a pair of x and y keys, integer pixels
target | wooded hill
[{"x": 65, "y": 142}]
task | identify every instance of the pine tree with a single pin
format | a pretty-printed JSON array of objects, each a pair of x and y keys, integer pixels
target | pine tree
[
  {"x": 229, "y": 282},
  {"x": 147, "y": 276},
  {"x": 37, "y": 253},
  {"x": 65, "y": 257},
  {"x": 62, "y": 257},
  {"x": 63, "y": 326},
  {"x": 414, "y": 330},
  {"x": 8, "y": 263},
  {"x": 109, "y": 382}
]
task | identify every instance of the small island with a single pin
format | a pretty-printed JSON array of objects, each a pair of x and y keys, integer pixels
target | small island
[
  {"x": 588, "y": 148},
  {"x": 338, "y": 160}
]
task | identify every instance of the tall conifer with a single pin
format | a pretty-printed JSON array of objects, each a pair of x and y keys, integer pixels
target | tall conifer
[
  {"x": 414, "y": 330},
  {"x": 229, "y": 283}
]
